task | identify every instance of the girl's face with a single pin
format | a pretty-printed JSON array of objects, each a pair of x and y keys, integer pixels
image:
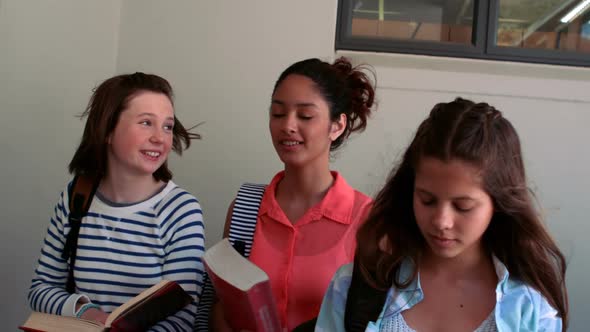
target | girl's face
[
  {"x": 300, "y": 124},
  {"x": 142, "y": 138},
  {"x": 451, "y": 207}
]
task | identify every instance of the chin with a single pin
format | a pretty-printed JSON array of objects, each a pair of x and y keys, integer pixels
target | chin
[
  {"x": 292, "y": 162},
  {"x": 149, "y": 171},
  {"x": 446, "y": 253}
]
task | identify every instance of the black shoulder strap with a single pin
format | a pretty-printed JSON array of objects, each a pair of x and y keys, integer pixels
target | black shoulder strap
[
  {"x": 80, "y": 195},
  {"x": 241, "y": 234},
  {"x": 364, "y": 303}
]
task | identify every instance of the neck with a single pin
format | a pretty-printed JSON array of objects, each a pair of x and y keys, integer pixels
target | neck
[
  {"x": 308, "y": 184},
  {"x": 466, "y": 266},
  {"x": 128, "y": 188}
]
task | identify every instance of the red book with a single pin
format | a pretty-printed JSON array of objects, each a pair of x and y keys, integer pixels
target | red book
[
  {"x": 243, "y": 289},
  {"x": 138, "y": 314}
]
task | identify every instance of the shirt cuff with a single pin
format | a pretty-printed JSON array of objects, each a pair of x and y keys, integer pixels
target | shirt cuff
[{"x": 69, "y": 308}]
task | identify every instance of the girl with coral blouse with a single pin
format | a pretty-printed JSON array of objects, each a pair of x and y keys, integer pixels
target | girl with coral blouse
[
  {"x": 309, "y": 215},
  {"x": 453, "y": 240}
]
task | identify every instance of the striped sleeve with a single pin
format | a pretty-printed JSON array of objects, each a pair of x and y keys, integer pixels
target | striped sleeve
[
  {"x": 47, "y": 292},
  {"x": 182, "y": 233}
]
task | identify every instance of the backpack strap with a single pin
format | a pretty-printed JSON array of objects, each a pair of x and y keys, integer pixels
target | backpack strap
[
  {"x": 244, "y": 217},
  {"x": 241, "y": 235},
  {"x": 363, "y": 303},
  {"x": 80, "y": 193}
]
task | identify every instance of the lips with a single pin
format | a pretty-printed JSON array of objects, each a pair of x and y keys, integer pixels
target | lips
[
  {"x": 290, "y": 142},
  {"x": 151, "y": 154},
  {"x": 443, "y": 241}
]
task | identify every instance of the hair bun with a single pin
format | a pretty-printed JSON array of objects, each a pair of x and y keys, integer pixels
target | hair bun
[{"x": 361, "y": 90}]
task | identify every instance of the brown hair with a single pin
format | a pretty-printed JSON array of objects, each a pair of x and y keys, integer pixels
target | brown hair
[
  {"x": 107, "y": 102},
  {"x": 480, "y": 135},
  {"x": 345, "y": 88}
]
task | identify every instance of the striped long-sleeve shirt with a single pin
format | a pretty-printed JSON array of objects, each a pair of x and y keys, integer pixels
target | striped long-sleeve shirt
[{"x": 122, "y": 250}]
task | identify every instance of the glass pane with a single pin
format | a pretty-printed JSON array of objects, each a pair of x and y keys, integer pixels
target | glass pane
[
  {"x": 430, "y": 20},
  {"x": 545, "y": 24}
]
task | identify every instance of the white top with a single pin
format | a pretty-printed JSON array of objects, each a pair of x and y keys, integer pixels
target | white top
[{"x": 397, "y": 323}]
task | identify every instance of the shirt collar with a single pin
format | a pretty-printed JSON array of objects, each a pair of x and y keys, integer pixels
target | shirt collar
[
  {"x": 402, "y": 299},
  {"x": 407, "y": 266},
  {"x": 503, "y": 276},
  {"x": 399, "y": 300},
  {"x": 337, "y": 205},
  {"x": 405, "y": 273}
]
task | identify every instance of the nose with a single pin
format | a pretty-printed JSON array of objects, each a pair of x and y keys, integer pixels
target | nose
[
  {"x": 442, "y": 218},
  {"x": 157, "y": 136},
  {"x": 289, "y": 124}
]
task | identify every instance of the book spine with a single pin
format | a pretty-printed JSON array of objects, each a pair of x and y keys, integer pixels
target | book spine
[
  {"x": 265, "y": 310},
  {"x": 28, "y": 329},
  {"x": 156, "y": 307},
  {"x": 236, "y": 304}
]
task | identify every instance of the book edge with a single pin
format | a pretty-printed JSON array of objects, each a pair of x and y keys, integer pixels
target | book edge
[
  {"x": 135, "y": 301},
  {"x": 225, "y": 246}
]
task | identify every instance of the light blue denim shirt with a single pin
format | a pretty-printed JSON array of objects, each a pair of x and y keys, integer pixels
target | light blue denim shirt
[{"x": 518, "y": 306}]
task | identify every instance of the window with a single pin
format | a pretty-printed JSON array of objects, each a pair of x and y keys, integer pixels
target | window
[{"x": 543, "y": 31}]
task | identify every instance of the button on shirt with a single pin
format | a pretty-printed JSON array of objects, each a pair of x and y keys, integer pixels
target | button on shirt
[{"x": 300, "y": 259}]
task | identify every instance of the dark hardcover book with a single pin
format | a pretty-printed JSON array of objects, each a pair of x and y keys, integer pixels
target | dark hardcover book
[
  {"x": 138, "y": 314},
  {"x": 243, "y": 289}
]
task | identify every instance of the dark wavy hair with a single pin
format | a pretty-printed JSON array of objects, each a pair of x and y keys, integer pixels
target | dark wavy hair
[
  {"x": 107, "y": 102},
  {"x": 345, "y": 88},
  {"x": 478, "y": 134}
]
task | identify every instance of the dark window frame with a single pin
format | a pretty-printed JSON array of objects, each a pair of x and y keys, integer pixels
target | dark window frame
[{"x": 483, "y": 43}]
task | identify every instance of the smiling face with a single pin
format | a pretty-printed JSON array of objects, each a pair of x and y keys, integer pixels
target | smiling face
[
  {"x": 300, "y": 124},
  {"x": 142, "y": 138},
  {"x": 451, "y": 207}
]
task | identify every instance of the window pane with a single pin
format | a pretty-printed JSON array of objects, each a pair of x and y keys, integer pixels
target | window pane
[
  {"x": 429, "y": 20},
  {"x": 544, "y": 24}
]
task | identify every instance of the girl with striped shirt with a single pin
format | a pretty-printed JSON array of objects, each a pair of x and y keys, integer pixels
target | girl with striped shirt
[{"x": 140, "y": 227}]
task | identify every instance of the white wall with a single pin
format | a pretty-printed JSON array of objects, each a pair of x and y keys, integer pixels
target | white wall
[
  {"x": 52, "y": 53},
  {"x": 222, "y": 58}
]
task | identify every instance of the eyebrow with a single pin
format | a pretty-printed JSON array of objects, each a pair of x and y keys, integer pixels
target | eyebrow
[
  {"x": 300, "y": 104},
  {"x": 152, "y": 115},
  {"x": 466, "y": 198}
]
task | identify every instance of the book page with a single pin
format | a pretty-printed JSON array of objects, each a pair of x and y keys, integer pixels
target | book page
[
  {"x": 135, "y": 301},
  {"x": 225, "y": 262},
  {"x": 47, "y": 322}
]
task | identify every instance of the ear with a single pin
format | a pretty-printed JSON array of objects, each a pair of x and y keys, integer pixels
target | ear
[{"x": 337, "y": 127}]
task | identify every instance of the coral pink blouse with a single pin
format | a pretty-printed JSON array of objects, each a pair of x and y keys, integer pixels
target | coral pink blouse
[{"x": 301, "y": 259}]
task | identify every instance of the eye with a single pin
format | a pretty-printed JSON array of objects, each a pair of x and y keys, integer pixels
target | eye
[
  {"x": 305, "y": 117},
  {"x": 276, "y": 110},
  {"x": 145, "y": 123},
  {"x": 427, "y": 202},
  {"x": 168, "y": 127},
  {"x": 463, "y": 207}
]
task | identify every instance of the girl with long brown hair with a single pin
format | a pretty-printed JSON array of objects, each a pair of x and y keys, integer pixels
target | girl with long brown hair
[{"x": 453, "y": 240}]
